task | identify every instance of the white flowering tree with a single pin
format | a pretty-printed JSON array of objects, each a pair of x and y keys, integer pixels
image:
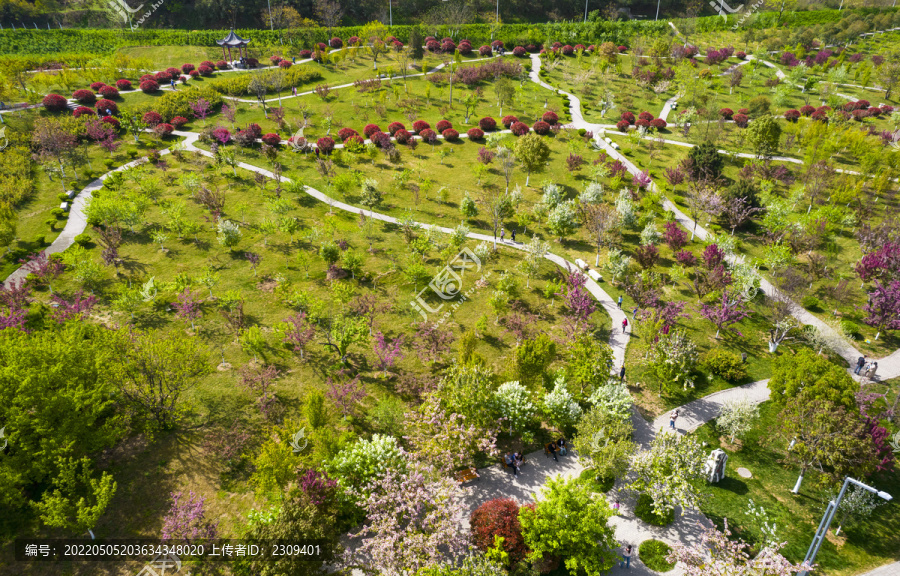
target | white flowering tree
[
  {"x": 736, "y": 417},
  {"x": 413, "y": 522},
  {"x": 667, "y": 472},
  {"x": 716, "y": 554},
  {"x": 512, "y": 403},
  {"x": 614, "y": 399},
  {"x": 365, "y": 461},
  {"x": 560, "y": 409}
]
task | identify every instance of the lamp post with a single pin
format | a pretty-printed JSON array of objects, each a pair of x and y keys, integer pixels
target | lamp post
[
  {"x": 391, "y": 11},
  {"x": 585, "y": 10},
  {"x": 657, "y": 9},
  {"x": 829, "y": 515}
]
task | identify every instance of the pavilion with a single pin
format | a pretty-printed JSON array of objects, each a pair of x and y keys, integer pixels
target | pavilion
[{"x": 233, "y": 41}]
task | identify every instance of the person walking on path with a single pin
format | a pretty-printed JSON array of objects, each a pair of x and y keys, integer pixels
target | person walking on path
[
  {"x": 502, "y": 234},
  {"x": 619, "y": 301},
  {"x": 672, "y": 417},
  {"x": 615, "y": 506},
  {"x": 513, "y": 234},
  {"x": 172, "y": 81},
  {"x": 293, "y": 90},
  {"x": 622, "y": 374},
  {"x": 624, "y": 324},
  {"x": 626, "y": 557},
  {"x": 870, "y": 372},
  {"x": 859, "y": 364},
  {"x": 511, "y": 463}
]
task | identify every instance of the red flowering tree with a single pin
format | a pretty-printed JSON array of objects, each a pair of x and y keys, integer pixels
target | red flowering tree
[
  {"x": 499, "y": 517},
  {"x": 883, "y": 308},
  {"x": 186, "y": 519},
  {"x": 729, "y": 310}
]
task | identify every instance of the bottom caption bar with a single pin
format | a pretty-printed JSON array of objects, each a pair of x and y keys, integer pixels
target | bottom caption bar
[{"x": 112, "y": 549}]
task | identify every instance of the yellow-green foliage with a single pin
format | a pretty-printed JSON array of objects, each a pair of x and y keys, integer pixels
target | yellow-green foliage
[
  {"x": 16, "y": 185},
  {"x": 236, "y": 84},
  {"x": 178, "y": 103}
]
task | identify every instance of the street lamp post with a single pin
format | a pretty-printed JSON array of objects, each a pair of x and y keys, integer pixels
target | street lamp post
[
  {"x": 585, "y": 9},
  {"x": 657, "y": 9},
  {"x": 391, "y": 11},
  {"x": 827, "y": 518}
]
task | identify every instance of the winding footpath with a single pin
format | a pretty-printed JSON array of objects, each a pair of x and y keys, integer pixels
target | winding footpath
[{"x": 496, "y": 482}]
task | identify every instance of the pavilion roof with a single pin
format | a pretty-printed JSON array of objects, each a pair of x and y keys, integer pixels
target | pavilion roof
[{"x": 232, "y": 40}]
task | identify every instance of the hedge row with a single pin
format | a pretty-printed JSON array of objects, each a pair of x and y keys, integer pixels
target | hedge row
[{"x": 102, "y": 41}]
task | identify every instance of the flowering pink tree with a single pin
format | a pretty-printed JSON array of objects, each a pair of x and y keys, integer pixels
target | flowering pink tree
[
  {"x": 883, "y": 307},
  {"x": 729, "y": 310},
  {"x": 200, "y": 108},
  {"x": 102, "y": 133},
  {"x": 674, "y": 176},
  {"x": 884, "y": 262},
  {"x": 414, "y": 522},
  {"x": 14, "y": 304},
  {"x": 579, "y": 304},
  {"x": 317, "y": 486},
  {"x": 186, "y": 519},
  {"x": 187, "y": 307},
  {"x": 387, "y": 351},
  {"x": 75, "y": 308},
  {"x": 261, "y": 380},
  {"x": 46, "y": 269},
  {"x": 431, "y": 342},
  {"x": 674, "y": 236},
  {"x": 298, "y": 332},
  {"x": 445, "y": 440},
  {"x": 229, "y": 113},
  {"x": 716, "y": 554},
  {"x": 641, "y": 180},
  {"x": 345, "y": 392}
]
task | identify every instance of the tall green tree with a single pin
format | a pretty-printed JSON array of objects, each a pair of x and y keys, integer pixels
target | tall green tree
[
  {"x": 764, "y": 134},
  {"x": 603, "y": 442},
  {"x": 532, "y": 152},
  {"x": 57, "y": 406},
  {"x": 154, "y": 370},
  {"x": 813, "y": 376},
  {"x": 567, "y": 522},
  {"x": 532, "y": 358}
]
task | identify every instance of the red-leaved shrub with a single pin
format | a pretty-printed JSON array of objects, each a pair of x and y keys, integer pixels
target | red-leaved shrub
[
  {"x": 97, "y": 85},
  {"x": 205, "y": 70},
  {"x": 336, "y": 42},
  {"x": 499, "y": 517},
  {"x": 623, "y": 125},
  {"x": 741, "y": 120},
  {"x": 568, "y": 50},
  {"x": 371, "y": 129},
  {"x": 186, "y": 68},
  {"x": 109, "y": 92},
  {"x": 475, "y": 133},
  {"x": 84, "y": 96},
  {"x": 450, "y": 135},
  {"x": 345, "y": 133},
  {"x": 178, "y": 122},
  {"x": 520, "y": 51},
  {"x": 163, "y": 129},
  {"x": 806, "y": 110},
  {"x": 394, "y": 126},
  {"x": 509, "y": 121},
  {"x": 114, "y": 122},
  {"x": 107, "y": 107},
  {"x": 442, "y": 125},
  {"x": 658, "y": 123},
  {"x": 123, "y": 84},
  {"x": 428, "y": 135},
  {"x": 82, "y": 110},
  {"x": 285, "y": 64},
  {"x": 520, "y": 129},
  {"x": 628, "y": 117},
  {"x": 550, "y": 117},
  {"x": 726, "y": 113},
  {"x": 152, "y": 118},
  {"x": 541, "y": 127},
  {"x": 402, "y": 135},
  {"x": 487, "y": 124},
  {"x": 792, "y": 115},
  {"x": 271, "y": 139},
  {"x": 148, "y": 86},
  {"x": 485, "y": 51},
  {"x": 420, "y": 125},
  {"x": 55, "y": 102},
  {"x": 645, "y": 116}
]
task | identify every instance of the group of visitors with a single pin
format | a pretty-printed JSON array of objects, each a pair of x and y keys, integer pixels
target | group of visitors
[
  {"x": 866, "y": 368},
  {"x": 558, "y": 446},
  {"x": 515, "y": 460},
  {"x": 503, "y": 234}
]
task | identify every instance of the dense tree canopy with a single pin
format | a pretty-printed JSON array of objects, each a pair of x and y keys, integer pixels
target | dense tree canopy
[{"x": 812, "y": 376}]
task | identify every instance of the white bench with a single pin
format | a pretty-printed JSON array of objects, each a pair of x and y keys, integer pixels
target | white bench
[
  {"x": 64, "y": 206},
  {"x": 614, "y": 146},
  {"x": 580, "y": 263},
  {"x": 595, "y": 276}
]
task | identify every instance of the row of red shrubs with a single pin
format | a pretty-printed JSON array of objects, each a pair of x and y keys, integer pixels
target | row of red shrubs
[{"x": 643, "y": 120}]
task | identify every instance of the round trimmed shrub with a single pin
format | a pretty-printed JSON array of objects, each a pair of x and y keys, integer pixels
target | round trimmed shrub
[
  {"x": 173, "y": 72},
  {"x": 550, "y": 117},
  {"x": 252, "y": 62},
  {"x": 792, "y": 115},
  {"x": 487, "y": 124},
  {"x": 345, "y": 133},
  {"x": 152, "y": 118},
  {"x": 178, "y": 122},
  {"x": 222, "y": 65},
  {"x": 205, "y": 70},
  {"x": 448, "y": 46},
  {"x": 568, "y": 50},
  {"x": 740, "y": 55},
  {"x": 557, "y": 45},
  {"x": 726, "y": 113},
  {"x": 819, "y": 115},
  {"x": 186, "y": 68},
  {"x": 622, "y": 125},
  {"x": 508, "y": 121},
  {"x": 222, "y": 135},
  {"x": 744, "y": 111},
  {"x": 55, "y": 102},
  {"x": 336, "y": 43},
  {"x": 622, "y": 48},
  {"x": 84, "y": 96},
  {"x": 271, "y": 139},
  {"x": 858, "y": 115},
  {"x": 645, "y": 116},
  {"x": 402, "y": 135},
  {"x": 82, "y": 110},
  {"x": 123, "y": 84},
  {"x": 541, "y": 127},
  {"x": 325, "y": 144},
  {"x": 207, "y": 63},
  {"x": 148, "y": 86},
  {"x": 381, "y": 139},
  {"x": 147, "y": 77},
  {"x": 194, "y": 74},
  {"x": 485, "y": 51},
  {"x": 475, "y": 133},
  {"x": 806, "y": 109},
  {"x": 163, "y": 129},
  {"x": 450, "y": 135},
  {"x": 642, "y": 123},
  {"x": 628, "y": 117},
  {"x": 104, "y": 105},
  {"x": 497, "y": 44},
  {"x": 394, "y": 126},
  {"x": 97, "y": 85},
  {"x": 499, "y": 517},
  {"x": 432, "y": 45},
  {"x": 114, "y": 122},
  {"x": 653, "y": 554},
  {"x": 352, "y": 40},
  {"x": 109, "y": 92},
  {"x": 465, "y": 48},
  {"x": 428, "y": 135},
  {"x": 371, "y": 129},
  {"x": 285, "y": 64},
  {"x": 305, "y": 54},
  {"x": 658, "y": 123},
  {"x": 520, "y": 129},
  {"x": 162, "y": 77},
  {"x": 644, "y": 511},
  {"x": 741, "y": 120},
  {"x": 274, "y": 60},
  {"x": 520, "y": 51},
  {"x": 420, "y": 125},
  {"x": 442, "y": 125},
  {"x": 254, "y": 129}
]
